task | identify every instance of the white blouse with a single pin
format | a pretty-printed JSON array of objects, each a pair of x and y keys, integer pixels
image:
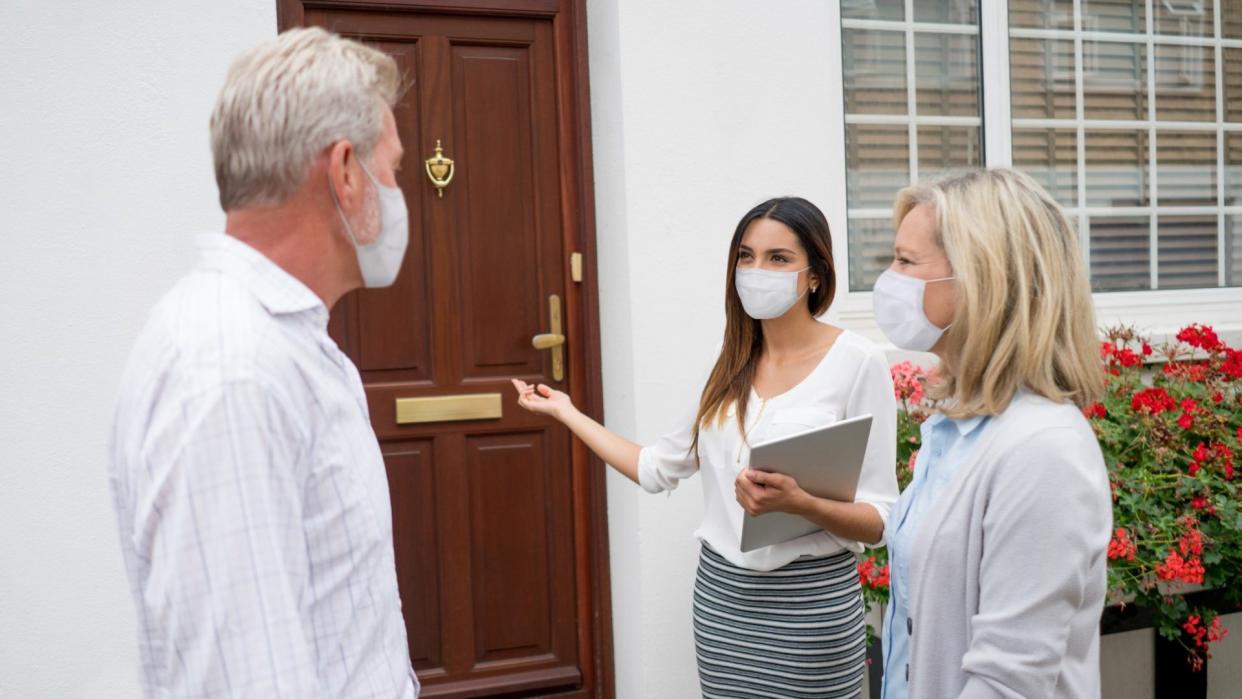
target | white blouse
[{"x": 852, "y": 379}]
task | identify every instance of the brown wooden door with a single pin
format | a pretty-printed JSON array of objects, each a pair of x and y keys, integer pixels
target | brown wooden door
[{"x": 497, "y": 520}]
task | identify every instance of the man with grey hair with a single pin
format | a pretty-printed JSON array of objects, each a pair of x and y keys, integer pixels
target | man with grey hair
[{"x": 249, "y": 486}]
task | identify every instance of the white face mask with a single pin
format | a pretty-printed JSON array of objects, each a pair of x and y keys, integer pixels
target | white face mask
[
  {"x": 766, "y": 294},
  {"x": 897, "y": 300},
  {"x": 380, "y": 260}
]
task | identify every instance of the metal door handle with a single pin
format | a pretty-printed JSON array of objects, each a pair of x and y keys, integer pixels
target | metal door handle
[
  {"x": 553, "y": 340},
  {"x": 547, "y": 341}
]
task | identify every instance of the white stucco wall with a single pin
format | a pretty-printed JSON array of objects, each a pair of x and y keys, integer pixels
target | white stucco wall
[
  {"x": 107, "y": 177},
  {"x": 701, "y": 108}
]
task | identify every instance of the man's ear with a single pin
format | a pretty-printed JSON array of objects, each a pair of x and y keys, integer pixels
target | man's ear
[{"x": 342, "y": 176}]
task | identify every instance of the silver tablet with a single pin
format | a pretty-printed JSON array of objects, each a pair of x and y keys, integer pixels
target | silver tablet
[{"x": 826, "y": 462}]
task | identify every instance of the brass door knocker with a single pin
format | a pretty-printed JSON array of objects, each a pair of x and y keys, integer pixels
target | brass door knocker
[{"x": 439, "y": 170}]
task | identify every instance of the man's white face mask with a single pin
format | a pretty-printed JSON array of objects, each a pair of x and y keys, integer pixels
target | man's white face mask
[{"x": 380, "y": 260}]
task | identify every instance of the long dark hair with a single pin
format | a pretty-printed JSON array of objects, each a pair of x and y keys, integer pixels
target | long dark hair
[{"x": 731, "y": 378}]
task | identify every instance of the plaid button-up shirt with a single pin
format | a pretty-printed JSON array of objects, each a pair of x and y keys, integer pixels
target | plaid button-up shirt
[{"x": 252, "y": 498}]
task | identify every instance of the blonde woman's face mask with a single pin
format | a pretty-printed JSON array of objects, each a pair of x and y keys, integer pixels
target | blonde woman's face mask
[{"x": 917, "y": 255}]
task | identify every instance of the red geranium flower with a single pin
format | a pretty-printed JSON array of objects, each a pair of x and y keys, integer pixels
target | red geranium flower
[
  {"x": 1128, "y": 358},
  {"x": 871, "y": 575},
  {"x": 1201, "y": 336},
  {"x": 1232, "y": 366},
  {"x": 1192, "y": 371},
  {"x": 907, "y": 381},
  {"x": 1189, "y": 408},
  {"x": 1175, "y": 568},
  {"x": 1120, "y": 546},
  {"x": 1096, "y": 409},
  {"x": 1153, "y": 400},
  {"x": 1204, "y": 635},
  {"x": 1200, "y": 502}
]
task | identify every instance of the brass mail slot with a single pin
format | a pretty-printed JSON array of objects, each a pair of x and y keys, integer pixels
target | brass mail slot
[{"x": 474, "y": 406}]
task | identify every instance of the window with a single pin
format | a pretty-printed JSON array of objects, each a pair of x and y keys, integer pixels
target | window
[
  {"x": 1128, "y": 111},
  {"x": 1123, "y": 110},
  {"x": 913, "y": 110}
]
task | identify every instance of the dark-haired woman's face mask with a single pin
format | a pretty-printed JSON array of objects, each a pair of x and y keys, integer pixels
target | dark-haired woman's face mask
[
  {"x": 770, "y": 267},
  {"x": 766, "y": 294}
]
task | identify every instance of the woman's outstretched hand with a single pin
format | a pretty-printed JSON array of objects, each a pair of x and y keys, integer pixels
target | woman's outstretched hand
[
  {"x": 543, "y": 400},
  {"x": 612, "y": 448}
]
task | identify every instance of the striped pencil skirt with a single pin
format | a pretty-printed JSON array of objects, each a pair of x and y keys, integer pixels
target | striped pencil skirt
[{"x": 797, "y": 631}]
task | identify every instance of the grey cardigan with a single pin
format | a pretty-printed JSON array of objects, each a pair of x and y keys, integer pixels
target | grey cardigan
[{"x": 1008, "y": 573}]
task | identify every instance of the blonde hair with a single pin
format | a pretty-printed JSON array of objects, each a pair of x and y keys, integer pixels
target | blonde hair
[
  {"x": 285, "y": 101},
  {"x": 1024, "y": 316}
]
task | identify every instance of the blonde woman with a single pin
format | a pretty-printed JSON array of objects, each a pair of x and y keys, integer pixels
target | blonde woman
[
  {"x": 998, "y": 545},
  {"x": 785, "y": 620}
]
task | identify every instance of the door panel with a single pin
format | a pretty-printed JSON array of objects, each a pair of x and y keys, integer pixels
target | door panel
[
  {"x": 509, "y": 546},
  {"x": 402, "y": 342},
  {"x": 501, "y": 255},
  {"x": 490, "y": 516},
  {"x": 412, "y": 485}
]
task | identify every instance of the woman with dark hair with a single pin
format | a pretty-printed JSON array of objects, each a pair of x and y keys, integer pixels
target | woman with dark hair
[{"x": 785, "y": 620}]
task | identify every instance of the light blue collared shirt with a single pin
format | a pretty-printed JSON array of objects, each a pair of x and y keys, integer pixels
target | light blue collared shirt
[{"x": 946, "y": 446}]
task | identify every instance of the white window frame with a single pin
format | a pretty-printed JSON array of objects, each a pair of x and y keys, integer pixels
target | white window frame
[{"x": 1159, "y": 313}]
